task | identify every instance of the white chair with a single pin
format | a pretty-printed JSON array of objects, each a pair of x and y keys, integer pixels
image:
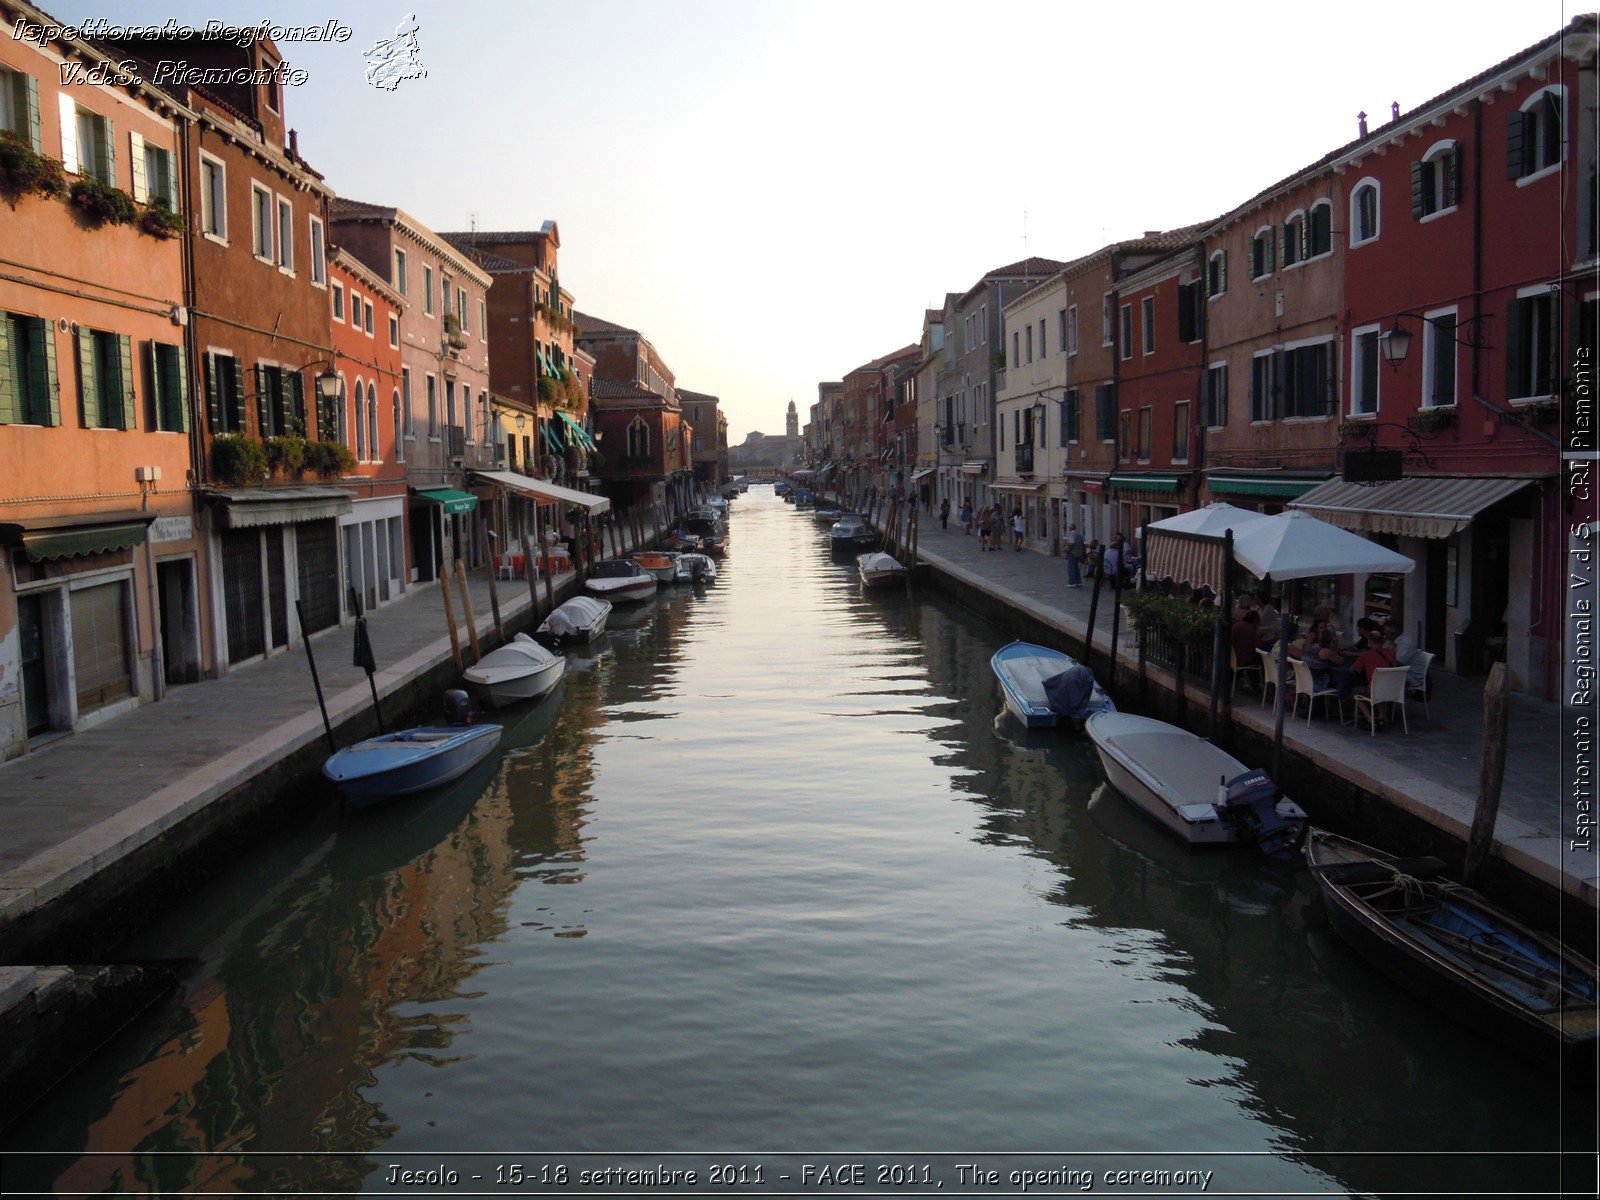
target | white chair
[
  {"x": 1269, "y": 673},
  {"x": 1420, "y": 690},
  {"x": 1239, "y": 667},
  {"x": 1388, "y": 686},
  {"x": 1305, "y": 685}
]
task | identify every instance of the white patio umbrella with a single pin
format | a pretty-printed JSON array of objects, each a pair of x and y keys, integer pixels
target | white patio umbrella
[{"x": 1213, "y": 520}]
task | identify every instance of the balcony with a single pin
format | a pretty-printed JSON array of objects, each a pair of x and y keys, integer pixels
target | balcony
[{"x": 1024, "y": 458}]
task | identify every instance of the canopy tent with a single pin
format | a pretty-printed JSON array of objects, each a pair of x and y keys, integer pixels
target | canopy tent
[
  {"x": 1296, "y": 545},
  {"x": 544, "y": 492}
]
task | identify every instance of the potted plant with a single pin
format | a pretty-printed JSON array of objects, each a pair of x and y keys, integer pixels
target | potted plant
[
  {"x": 1541, "y": 412},
  {"x": 23, "y": 170},
  {"x": 1430, "y": 420},
  {"x": 329, "y": 459},
  {"x": 101, "y": 203},
  {"x": 159, "y": 221},
  {"x": 238, "y": 461},
  {"x": 286, "y": 455}
]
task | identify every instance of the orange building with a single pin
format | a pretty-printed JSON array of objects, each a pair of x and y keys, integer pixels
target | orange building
[{"x": 102, "y": 578}]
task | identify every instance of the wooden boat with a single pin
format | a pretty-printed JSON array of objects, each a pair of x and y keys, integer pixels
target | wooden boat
[
  {"x": 1448, "y": 945},
  {"x": 1038, "y": 691},
  {"x": 619, "y": 579},
  {"x": 880, "y": 570},
  {"x": 580, "y": 619},
  {"x": 1193, "y": 789},
  {"x": 518, "y": 671},
  {"x": 412, "y": 760},
  {"x": 660, "y": 563}
]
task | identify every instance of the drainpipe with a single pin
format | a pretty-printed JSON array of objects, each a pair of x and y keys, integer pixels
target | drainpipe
[
  {"x": 1196, "y": 424},
  {"x": 157, "y": 669}
]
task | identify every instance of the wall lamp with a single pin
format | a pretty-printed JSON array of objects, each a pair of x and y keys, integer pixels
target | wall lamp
[{"x": 1394, "y": 343}]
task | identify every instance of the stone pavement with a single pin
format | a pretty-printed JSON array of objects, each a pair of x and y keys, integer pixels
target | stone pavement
[{"x": 1432, "y": 772}]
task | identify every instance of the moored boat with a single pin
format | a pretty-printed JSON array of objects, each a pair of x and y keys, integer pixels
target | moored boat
[
  {"x": 580, "y": 619},
  {"x": 518, "y": 671},
  {"x": 1194, "y": 789},
  {"x": 663, "y": 564},
  {"x": 852, "y": 533},
  {"x": 409, "y": 761},
  {"x": 620, "y": 579},
  {"x": 1041, "y": 685},
  {"x": 696, "y": 568},
  {"x": 1448, "y": 945},
  {"x": 878, "y": 569}
]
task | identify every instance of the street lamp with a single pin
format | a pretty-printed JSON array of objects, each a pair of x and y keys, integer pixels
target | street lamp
[
  {"x": 1395, "y": 343},
  {"x": 329, "y": 386}
]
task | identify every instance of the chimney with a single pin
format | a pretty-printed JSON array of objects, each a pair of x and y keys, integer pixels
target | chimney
[
  {"x": 1361, "y": 124},
  {"x": 294, "y": 144},
  {"x": 1394, "y": 110}
]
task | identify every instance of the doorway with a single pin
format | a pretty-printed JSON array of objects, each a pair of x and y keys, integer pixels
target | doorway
[
  {"x": 180, "y": 620},
  {"x": 35, "y": 668}
]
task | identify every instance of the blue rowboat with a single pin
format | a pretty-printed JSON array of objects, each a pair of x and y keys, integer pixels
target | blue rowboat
[
  {"x": 412, "y": 760},
  {"x": 1038, "y": 689}
]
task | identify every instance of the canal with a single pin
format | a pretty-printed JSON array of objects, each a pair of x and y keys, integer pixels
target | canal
[{"x": 768, "y": 874}]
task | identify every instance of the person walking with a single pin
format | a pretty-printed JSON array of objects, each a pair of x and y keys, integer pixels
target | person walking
[
  {"x": 944, "y": 513},
  {"x": 1016, "y": 529},
  {"x": 985, "y": 527},
  {"x": 966, "y": 516},
  {"x": 1074, "y": 557}
]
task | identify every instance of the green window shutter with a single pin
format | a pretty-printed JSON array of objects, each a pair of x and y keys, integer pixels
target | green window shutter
[
  {"x": 297, "y": 394},
  {"x": 1516, "y": 145},
  {"x": 30, "y": 98},
  {"x": 263, "y": 418},
  {"x": 52, "y": 382},
  {"x": 235, "y": 413},
  {"x": 213, "y": 394},
  {"x": 141, "y": 184},
  {"x": 125, "y": 381},
  {"x": 154, "y": 388},
  {"x": 88, "y": 381},
  {"x": 1417, "y": 210},
  {"x": 180, "y": 386},
  {"x": 1516, "y": 349},
  {"x": 1452, "y": 177},
  {"x": 108, "y": 143},
  {"x": 10, "y": 406}
]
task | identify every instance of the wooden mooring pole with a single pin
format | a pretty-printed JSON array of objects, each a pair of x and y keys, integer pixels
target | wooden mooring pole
[
  {"x": 466, "y": 610},
  {"x": 1491, "y": 772},
  {"x": 494, "y": 592},
  {"x": 450, "y": 614}
]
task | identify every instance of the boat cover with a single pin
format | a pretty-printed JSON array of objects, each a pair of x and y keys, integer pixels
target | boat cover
[
  {"x": 1071, "y": 693},
  {"x": 879, "y": 561},
  {"x": 520, "y": 656},
  {"x": 579, "y": 613}
]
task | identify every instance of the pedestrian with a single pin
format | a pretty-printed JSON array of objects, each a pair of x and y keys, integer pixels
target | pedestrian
[
  {"x": 966, "y": 516},
  {"x": 985, "y": 527},
  {"x": 1111, "y": 562},
  {"x": 1016, "y": 529},
  {"x": 944, "y": 513},
  {"x": 1074, "y": 557}
]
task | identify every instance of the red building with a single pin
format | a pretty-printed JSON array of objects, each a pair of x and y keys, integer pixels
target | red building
[
  {"x": 1468, "y": 279},
  {"x": 366, "y": 313}
]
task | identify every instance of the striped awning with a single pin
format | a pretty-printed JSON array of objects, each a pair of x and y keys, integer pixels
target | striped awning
[
  {"x": 1016, "y": 487},
  {"x": 923, "y": 473},
  {"x": 1428, "y": 507},
  {"x": 975, "y": 466},
  {"x": 1194, "y": 560}
]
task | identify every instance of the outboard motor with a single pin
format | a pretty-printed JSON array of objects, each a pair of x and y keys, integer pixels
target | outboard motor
[
  {"x": 1251, "y": 802},
  {"x": 457, "y": 707}
]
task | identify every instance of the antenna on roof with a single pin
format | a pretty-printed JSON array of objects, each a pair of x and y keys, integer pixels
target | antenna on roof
[{"x": 1024, "y": 243}]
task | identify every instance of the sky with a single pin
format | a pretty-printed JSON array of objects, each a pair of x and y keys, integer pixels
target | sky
[{"x": 772, "y": 191}]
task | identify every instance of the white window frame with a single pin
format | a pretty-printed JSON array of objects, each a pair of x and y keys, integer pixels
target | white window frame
[
  {"x": 427, "y": 290},
  {"x": 257, "y": 191},
  {"x": 461, "y": 310},
  {"x": 483, "y": 320},
  {"x": 1437, "y": 151},
  {"x": 1223, "y": 290},
  {"x": 1310, "y": 212},
  {"x": 1529, "y": 293},
  {"x": 1355, "y": 212},
  {"x": 1430, "y": 348},
  {"x": 317, "y": 249},
  {"x": 1566, "y": 123},
  {"x": 1125, "y": 331},
  {"x": 394, "y": 331},
  {"x": 218, "y": 204},
  {"x": 983, "y": 324},
  {"x": 1357, "y": 392},
  {"x": 284, "y": 207},
  {"x": 401, "y": 272},
  {"x": 336, "y": 301},
  {"x": 1270, "y": 232},
  {"x": 1299, "y": 215},
  {"x": 430, "y": 390},
  {"x": 1072, "y": 330}
]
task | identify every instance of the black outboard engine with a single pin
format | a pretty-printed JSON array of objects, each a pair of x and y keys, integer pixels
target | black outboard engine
[
  {"x": 1250, "y": 801},
  {"x": 457, "y": 707}
]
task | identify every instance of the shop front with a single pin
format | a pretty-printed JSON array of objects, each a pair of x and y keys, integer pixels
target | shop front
[{"x": 441, "y": 530}]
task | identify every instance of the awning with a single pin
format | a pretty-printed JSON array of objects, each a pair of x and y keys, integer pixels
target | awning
[
  {"x": 975, "y": 466},
  {"x": 68, "y": 537},
  {"x": 1016, "y": 487},
  {"x": 1144, "y": 483},
  {"x": 1195, "y": 561},
  {"x": 888, "y": 451},
  {"x": 550, "y": 443},
  {"x": 578, "y": 432},
  {"x": 258, "y": 507},
  {"x": 449, "y": 499},
  {"x": 545, "y": 492},
  {"x": 1431, "y": 507},
  {"x": 825, "y": 468},
  {"x": 1261, "y": 485},
  {"x": 923, "y": 473}
]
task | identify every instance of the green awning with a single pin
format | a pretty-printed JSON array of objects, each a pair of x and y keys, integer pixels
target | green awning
[
  {"x": 578, "y": 431},
  {"x": 552, "y": 441},
  {"x": 43, "y": 544},
  {"x": 449, "y": 499},
  {"x": 1257, "y": 485},
  {"x": 1144, "y": 483}
]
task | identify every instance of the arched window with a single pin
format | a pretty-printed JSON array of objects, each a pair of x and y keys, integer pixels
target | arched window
[
  {"x": 1294, "y": 238},
  {"x": 638, "y": 438},
  {"x": 372, "y": 423},
  {"x": 1364, "y": 212},
  {"x": 1262, "y": 257},
  {"x": 1536, "y": 139},
  {"x": 1436, "y": 180},
  {"x": 1217, "y": 274},
  {"x": 340, "y": 419},
  {"x": 399, "y": 428},
  {"x": 1319, "y": 233},
  {"x": 360, "y": 422}
]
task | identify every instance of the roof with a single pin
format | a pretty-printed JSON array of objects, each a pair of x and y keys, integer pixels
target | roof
[
  {"x": 877, "y": 364},
  {"x": 601, "y": 388},
  {"x": 495, "y": 264},
  {"x": 1160, "y": 243},
  {"x": 592, "y": 325},
  {"x": 696, "y": 397},
  {"x": 1026, "y": 268},
  {"x": 362, "y": 210},
  {"x": 494, "y": 237}
]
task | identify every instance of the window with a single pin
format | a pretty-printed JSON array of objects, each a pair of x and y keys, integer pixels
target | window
[
  {"x": 638, "y": 438},
  {"x": 1436, "y": 181},
  {"x": 1263, "y": 386},
  {"x": 1125, "y": 435},
  {"x": 1217, "y": 274},
  {"x": 261, "y": 222},
  {"x": 1029, "y": 343},
  {"x": 169, "y": 388},
  {"x": 1016, "y": 348},
  {"x": 337, "y": 292},
  {"x": 154, "y": 181},
  {"x": 213, "y": 199},
  {"x": 367, "y": 319},
  {"x": 483, "y": 322},
  {"x": 319, "y": 254},
  {"x": 461, "y": 309},
  {"x": 280, "y": 401},
  {"x": 105, "y": 379},
  {"x": 401, "y": 283},
  {"x": 1000, "y": 432},
  {"x": 1041, "y": 337},
  {"x": 1531, "y": 346},
  {"x": 28, "y": 382},
  {"x": 331, "y": 418},
  {"x": 983, "y": 324},
  {"x": 394, "y": 331},
  {"x": 86, "y": 145},
  {"x": 1261, "y": 253},
  {"x": 1070, "y": 338},
  {"x": 373, "y": 451},
  {"x": 1105, "y": 321},
  {"x": 1069, "y": 418},
  {"x": 360, "y": 424},
  {"x": 1215, "y": 410},
  {"x": 450, "y": 403},
  {"x": 1307, "y": 380},
  {"x": 1105, "y": 411},
  {"x": 285, "y": 235},
  {"x": 1147, "y": 322},
  {"x": 433, "y": 408},
  {"x": 398, "y": 418},
  {"x": 1189, "y": 311},
  {"x": 405, "y": 399},
  {"x": 427, "y": 290},
  {"x": 466, "y": 411},
  {"x": 1439, "y": 359},
  {"x": 19, "y": 107},
  {"x": 225, "y": 393},
  {"x": 1294, "y": 239},
  {"x": 1319, "y": 233},
  {"x": 1127, "y": 330},
  {"x": 1364, "y": 212},
  {"x": 1146, "y": 416},
  {"x": 1364, "y": 373},
  {"x": 1180, "y": 431},
  {"x": 1535, "y": 139}
]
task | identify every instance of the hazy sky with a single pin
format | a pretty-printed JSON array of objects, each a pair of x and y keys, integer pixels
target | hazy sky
[{"x": 773, "y": 191}]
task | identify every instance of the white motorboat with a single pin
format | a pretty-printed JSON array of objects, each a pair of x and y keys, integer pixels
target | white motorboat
[
  {"x": 1200, "y": 793},
  {"x": 1038, "y": 689},
  {"x": 663, "y": 564},
  {"x": 581, "y": 619},
  {"x": 518, "y": 671},
  {"x": 619, "y": 579},
  {"x": 851, "y": 532},
  {"x": 696, "y": 568},
  {"x": 880, "y": 570}
]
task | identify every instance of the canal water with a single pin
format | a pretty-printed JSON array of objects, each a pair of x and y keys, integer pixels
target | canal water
[{"x": 771, "y": 872}]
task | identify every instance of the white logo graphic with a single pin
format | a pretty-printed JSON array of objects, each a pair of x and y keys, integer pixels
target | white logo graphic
[{"x": 394, "y": 59}]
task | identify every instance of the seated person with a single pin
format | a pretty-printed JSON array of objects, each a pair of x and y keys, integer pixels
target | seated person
[
  {"x": 1245, "y": 640},
  {"x": 1270, "y": 616},
  {"x": 1329, "y": 667},
  {"x": 1365, "y": 627},
  {"x": 1375, "y": 655},
  {"x": 1406, "y": 654}
]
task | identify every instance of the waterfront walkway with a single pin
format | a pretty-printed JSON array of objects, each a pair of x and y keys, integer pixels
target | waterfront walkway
[{"x": 1431, "y": 773}]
